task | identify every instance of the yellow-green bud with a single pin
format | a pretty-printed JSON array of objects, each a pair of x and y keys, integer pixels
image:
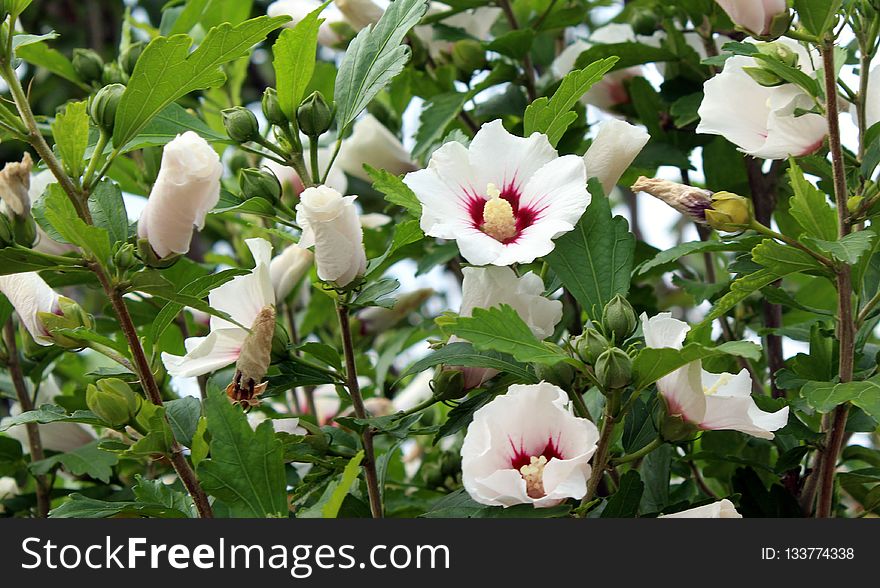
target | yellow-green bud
[
  {"x": 619, "y": 319},
  {"x": 128, "y": 59},
  {"x": 853, "y": 203},
  {"x": 590, "y": 345},
  {"x": 272, "y": 108},
  {"x": 24, "y": 227},
  {"x": 72, "y": 316},
  {"x": 114, "y": 401},
  {"x": 258, "y": 183},
  {"x": 7, "y": 237},
  {"x": 614, "y": 369},
  {"x": 777, "y": 51},
  {"x": 88, "y": 65},
  {"x": 125, "y": 259},
  {"x": 729, "y": 212},
  {"x": 314, "y": 115},
  {"x": 241, "y": 124},
  {"x": 103, "y": 106},
  {"x": 448, "y": 384},
  {"x": 468, "y": 55}
]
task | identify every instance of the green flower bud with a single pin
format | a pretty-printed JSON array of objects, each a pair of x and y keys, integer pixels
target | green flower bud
[
  {"x": 314, "y": 115},
  {"x": 448, "y": 384},
  {"x": 257, "y": 183},
  {"x": 643, "y": 21},
  {"x": 779, "y": 25},
  {"x": 128, "y": 59},
  {"x": 114, "y": 401},
  {"x": 88, "y": 65},
  {"x": 148, "y": 256},
  {"x": 853, "y": 203},
  {"x": 779, "y": 51},
  {"x": 238, "y": 161},
  {"x": 559, "y": 374},
  {"x": 468, "y": 55},
  {"x": 25, "y": 230},
  {"x": 7, "y": 237},
  {"x": 272, "y": 108},
  {"x": 125, "y": 259},
  {"x": 729, "y": 212},
  {"x": 103, "y": 106},
  {"x": 674, "y": 428},
  {"x": 614, "y": 369},
  {"x": 72, "y": 317},
  {"x": 241, "y": 124},
  {"x": 590, "y": 345},
  {"x": 764, "y": 77},
  {"x": 113, "y": 74},
  {"x": 619, "y": 319}
]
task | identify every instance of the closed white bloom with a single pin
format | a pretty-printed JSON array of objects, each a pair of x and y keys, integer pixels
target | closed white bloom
[
  {"x": 706, "y": 400},
  {"x": 486, "y": 287},
  {"x": 613, "y": 150},
  {"x": 872, "y": 100},
  {"x": 31, "y": 295},
  {"x": 62, "y": 437},
  {"x": 330, "y": 222},
  {"x": 242, "y": 298},
  {"x": 723, "y": 509},
  {"x": 373, "y": 144},
  {"x": 336, "y": 179},
  {"x": 187, "y": 187},
  {"x": 761, "y": 121},
  {"x": 526, "y": 447},
  {"x": 359, "y": 13},
  {"x": 288, "y": 269},
  {"x": 503, "y": 199},
  {"x": 755, "y": 16},
  {"x": 476, "y": 22},
  {"x": 299, "y": 9}
]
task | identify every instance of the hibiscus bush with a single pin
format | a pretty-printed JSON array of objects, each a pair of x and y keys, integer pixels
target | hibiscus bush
[{"x": 478, "y": 258}]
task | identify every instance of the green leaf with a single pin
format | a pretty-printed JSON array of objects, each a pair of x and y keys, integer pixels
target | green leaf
[
  {"x": 374, "y": 58},
  {"x": 49, "y": 413},
  {"x": 71, "y": 132},
  {"x": 515, "y": 44},
  {"x": 245, "y": 470},
  {"x": 689, "y": 248},
  {"x": 87, "y": 460},
  {"x": 159, "y": 437},
  {"x": 183, "y": 416},
  {"x": 553, "y": 116},
  {"x": 625, "y": 502},
  {"x": 108, "y": 210},
  {"x": 294, "y": 61},
  {"x": 849, "y": 249},
  {"x": 810, "y": 208},
  {"x": 594, "y": 261},
  {"x": 395, "y": 191},
  {"x": 628, "y": 54},
  {"x": 167, "y": 70},
  {"x": 340, "y": 490},
  {"x": 165, "y": 126},
  {"x": 82, "y": 507},
  {"x": 501, "y": 329},
  {"x": 825, "y": 396},
  {"x": 151, "y": 282},
  {"x": 817, "y": 16},
  {"x": 62, "y": 215},
  {"x": 154, "y": 492},
  {"x": 377, "y": 294},
  {"x": 15, "y": 260},
  {"x": 437, "y": 114},
  {"x": 51, "y": 60},
  {"x": 651, "y": 364},
  {"x": 405, "y": 233},
  {"x": 464, "y": 354}
]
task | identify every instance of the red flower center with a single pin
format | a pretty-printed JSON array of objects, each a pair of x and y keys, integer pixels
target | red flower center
[{"x": 504, "y": 223}]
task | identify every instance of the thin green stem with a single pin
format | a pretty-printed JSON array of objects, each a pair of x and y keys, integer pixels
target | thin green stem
[
  {"x": 793, "y": 242},
  {"x": 600, "y": 458},
  {"x": 332, "y": 159},
  {"x": 313, "y": 156},
  {"x": 97, "y": 157},
  {"x": 639, "y": 454}
]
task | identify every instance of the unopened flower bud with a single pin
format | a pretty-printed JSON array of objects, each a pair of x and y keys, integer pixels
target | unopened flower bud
[
  {"x": 70, "y": 316},
  {"x": 314, "y": 115},
  {"x": 238, "y": 161},
  {"x": 125, "y": 259},
  {"x": 619, "y": 319},
  {"x": 151, "y": 259},
  {"x": 468, "y": 55},
  {"x": 25, "y": 230},
  {"x": 241, "y": 124},
  {"x": 560, "y": 374},
  {"x": 7, "y": 237},
  {"x": 114, "y": 401},
  {"x": 253, "y": 361},
  {"x": 729, "y": 212},
  {"x": 448, "y": 384},
  {"x": 779, "y": 51},
  {"x": 690, "y": 201},
  {"x": 643, "y": 21},
  {"x": 103, "y": 106},
  {"x": 113, "y": 74},
  {"x": 128, "y": 59},
  {"x": 675, "y": 428},
  {"x": 272, "y": 108},
  {"x": 88, "y": 65},
  {"x": 614, "y": 369},
  {"x": 376, "y": 319},
  {"x": 258, "y": 183},
  {"x": 590, "y": 345},
  {"x": 853, "y": 203}
]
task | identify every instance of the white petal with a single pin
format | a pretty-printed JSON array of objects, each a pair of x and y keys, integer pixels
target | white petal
[
  {"x": 243, "y": 297},
  {"x": 29, "y": 294},
  {"x": 503, "y": 159},
  {"x": 616, "y": 145},
  {"x": 206, "y": 354},
  {"x": 661, "y": 330},
  {"x": 723, "y": 509},
  {"x": 743, "y": 415},
  {"x": 373, "y": 144}
]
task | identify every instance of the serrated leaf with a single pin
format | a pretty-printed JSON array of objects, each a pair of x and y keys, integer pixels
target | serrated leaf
[
  {"x": 464, "y": 354},
  {"x": 810, "y": 208},
  {"x": 52, "y": 60},
  {"x": 689, "y": 248},
  {"x": 108, "y": 210},
  {"x": 625, "y": 502},
  {"x": 849, "y": 249},
  {"x": 340, "y": 490},
  {"x": 651, "y": 364},
  {"x": 50, "y": 413},
  {"x": 167, "y": 70},
  {"x": 594, "y": 261},
  {"x": 15, "y": 260},
  {"x": 87, "y": 460},
  {"x": 59, "y": 211},
  {"x": 82, "y": 507},
  {"x": 817, "y": 15},
  {"x": 825, "y": 396},
  {"x": 374, "y": 58},
  {"x": 501, "y": 329},
  {"x": 294, "y": 61},
  {"x": 245, "y": 469},
  {"x": 437, "y": 113},
  {"x": 71, "y": 133},
  {"x": 395, "y": 191},
  {"x": 154, "y": 492},
  {"x": 552, "y": 116}
]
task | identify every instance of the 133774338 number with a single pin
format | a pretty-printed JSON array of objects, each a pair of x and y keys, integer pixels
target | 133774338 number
[{"x": 808, "y": 553}]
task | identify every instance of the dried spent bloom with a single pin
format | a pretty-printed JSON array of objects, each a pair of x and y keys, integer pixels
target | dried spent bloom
[
  {"x": 15, "y": 183},
  {"x": 253, "y": 361}
]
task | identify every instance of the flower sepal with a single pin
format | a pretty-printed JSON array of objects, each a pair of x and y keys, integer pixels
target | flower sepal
[
  {"x": 70, "y": 316},
  {"x": 448, "y": 384},
  {"x": 151, "y": 259},
  {"x": 729, "y": 212},
  {"x": 674, "y": 428}
]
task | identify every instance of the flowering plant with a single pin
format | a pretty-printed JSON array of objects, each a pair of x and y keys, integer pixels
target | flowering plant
[{"x": 475, "y": 258}]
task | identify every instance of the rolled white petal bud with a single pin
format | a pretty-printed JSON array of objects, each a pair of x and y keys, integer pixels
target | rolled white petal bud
[{"x": 613, "y": 150}]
